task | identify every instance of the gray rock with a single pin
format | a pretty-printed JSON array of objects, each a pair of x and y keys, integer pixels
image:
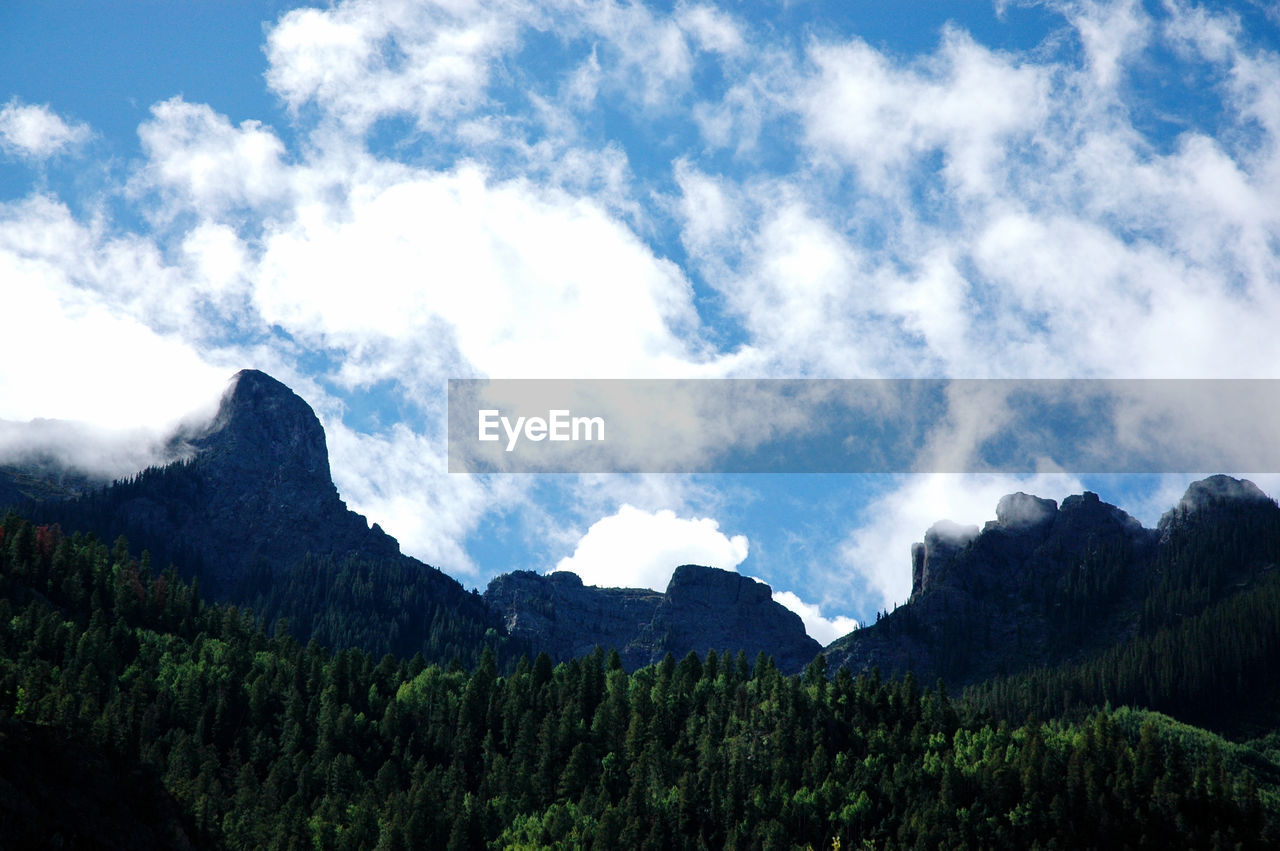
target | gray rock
[
  {"x": 1206, "y": 493},
  {"x": 982, "y": 603},
  {"x": 703, "y": 608},
  {"x": 932, "y": 559}
]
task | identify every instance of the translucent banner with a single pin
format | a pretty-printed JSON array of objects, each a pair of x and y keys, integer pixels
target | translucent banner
[{"x": 863, "y": 425}]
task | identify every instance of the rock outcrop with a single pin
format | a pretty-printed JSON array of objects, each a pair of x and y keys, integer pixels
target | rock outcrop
[
  {"x": 564, "y": 618},
  {"x": 266, "y": 493},
  {"x": 703, "y": 608},
  {"x": 988, "y": 601},
  {"x": 1209, "y": 495}
]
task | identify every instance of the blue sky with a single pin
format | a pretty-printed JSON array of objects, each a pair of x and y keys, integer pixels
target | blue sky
[{"x": 368, "y": 198}]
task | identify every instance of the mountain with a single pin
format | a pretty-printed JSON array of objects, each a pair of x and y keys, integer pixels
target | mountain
[
  {"x": 252, "y": 513},
  {"x": 703, "y": 608},
  {"x": 1051, "y": 606},
  {"x": 1039, "y": 583}
]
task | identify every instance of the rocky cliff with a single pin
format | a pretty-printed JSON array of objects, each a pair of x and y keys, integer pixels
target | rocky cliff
[
  {"x": 1044, "y": 584},
  {"x": 703, "y": 608},
  {"x": 1039, "y": 582},
  {"x": 253, "y": 514}
]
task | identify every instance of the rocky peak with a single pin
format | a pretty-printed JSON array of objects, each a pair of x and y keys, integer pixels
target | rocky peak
[
  {"x": 256, "y": 490},
  {"x": 1220, "y": 488},
  {"x": 1085, "y": 516},
  {"x": 1023, "y": 511},
  {"x": 932, "y": 558},
  {"x": 262, "y": 424},
  {"x": 703, "y": 608}
]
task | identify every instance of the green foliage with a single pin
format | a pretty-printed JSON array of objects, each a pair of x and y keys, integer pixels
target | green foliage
[{"x": 266, "y": 743}]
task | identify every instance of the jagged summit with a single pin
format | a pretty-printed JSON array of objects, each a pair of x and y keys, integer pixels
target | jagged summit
[
  {"x": 263, "y": 424},
  {"x": 1044, "y": 582},
  {"x": 1021, "y": 510}
]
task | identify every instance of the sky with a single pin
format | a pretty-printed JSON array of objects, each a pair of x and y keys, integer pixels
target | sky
[{"x": 366, "y": 199}]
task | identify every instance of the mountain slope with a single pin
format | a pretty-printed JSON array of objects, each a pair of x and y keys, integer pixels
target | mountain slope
[
  {"x": 114, "y": 682},
  {"x": 1038, "y": 584},
  {"x": 253, "y": 514}
]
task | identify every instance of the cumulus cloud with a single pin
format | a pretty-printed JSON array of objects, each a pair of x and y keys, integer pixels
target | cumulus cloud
[
  {"x": 640, "y": 549},
  {"x": 398, "y": 480},
  {"x": 197, "y": 155},
  {"x": 822, "y": 629},
  {"x": 531, "y": 282},
  {"x": 37, "y": 132},
  {"x": 87, "y": 359},
  {"x": 975, "y": 105}
]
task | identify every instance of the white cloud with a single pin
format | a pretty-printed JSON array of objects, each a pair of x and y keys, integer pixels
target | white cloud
[
  {"x": 211, "y": 165},
  {"x": 87, "y": 359},
  {"x": 969, "y": 102},
  {"x": 712, "y": 28},
  {"x": 822, "y": 629},
  {"x": 358, "y": 62},
  {"x": 640, "y": 549},
  {"x": 530, "y": 282},
  {"x": 399, "y": 480},
  {"x": 1112, "y": 33},
  {"x": 37, "y": 132}
]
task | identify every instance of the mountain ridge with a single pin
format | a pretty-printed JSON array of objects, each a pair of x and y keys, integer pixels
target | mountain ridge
[
  {"x": 703, "y": 608},
  {"x": 1045, "y": 585},
  {"x": 252, "y": 511}
]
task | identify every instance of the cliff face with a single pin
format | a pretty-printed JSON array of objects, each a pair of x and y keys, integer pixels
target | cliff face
[
  {"x": 265, "y": 489},
  {"x": 253, "y": 514},
  {"x": 1041, "y": 584},
  {"x": 990, "y": 601},
  {"x": 702, "y": 609},
  {"x": 558, "y": 615}
]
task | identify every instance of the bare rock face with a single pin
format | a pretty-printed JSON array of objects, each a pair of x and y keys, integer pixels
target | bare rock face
[
  {"x": 564, "y": 618},
  {"x": 990, "y": 601},
  {"x": 253, "y": 491},
  {"x": 931, "y": 560},
  {"x": 707, "y": 608},
  {"x": 265, "y": 466},
  {"x": 252, "y": 513},
  {"x": 703, "y": 608}
]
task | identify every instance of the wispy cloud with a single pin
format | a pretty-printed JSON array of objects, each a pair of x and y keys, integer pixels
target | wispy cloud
[{"x": 37, "y": 132}]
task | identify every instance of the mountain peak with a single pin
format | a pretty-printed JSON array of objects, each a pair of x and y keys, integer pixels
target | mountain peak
[
  {"x": 1205, "y": 493},
  {"x": 1020, "y": 510},
  {"x": 261, "y": 423},
  {"x": 714, "y": 585},
  {"x": 256, "y": 491}
]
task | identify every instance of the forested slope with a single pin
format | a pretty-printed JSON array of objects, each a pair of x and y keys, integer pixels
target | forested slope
[{"x": 261, "y": 742}]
